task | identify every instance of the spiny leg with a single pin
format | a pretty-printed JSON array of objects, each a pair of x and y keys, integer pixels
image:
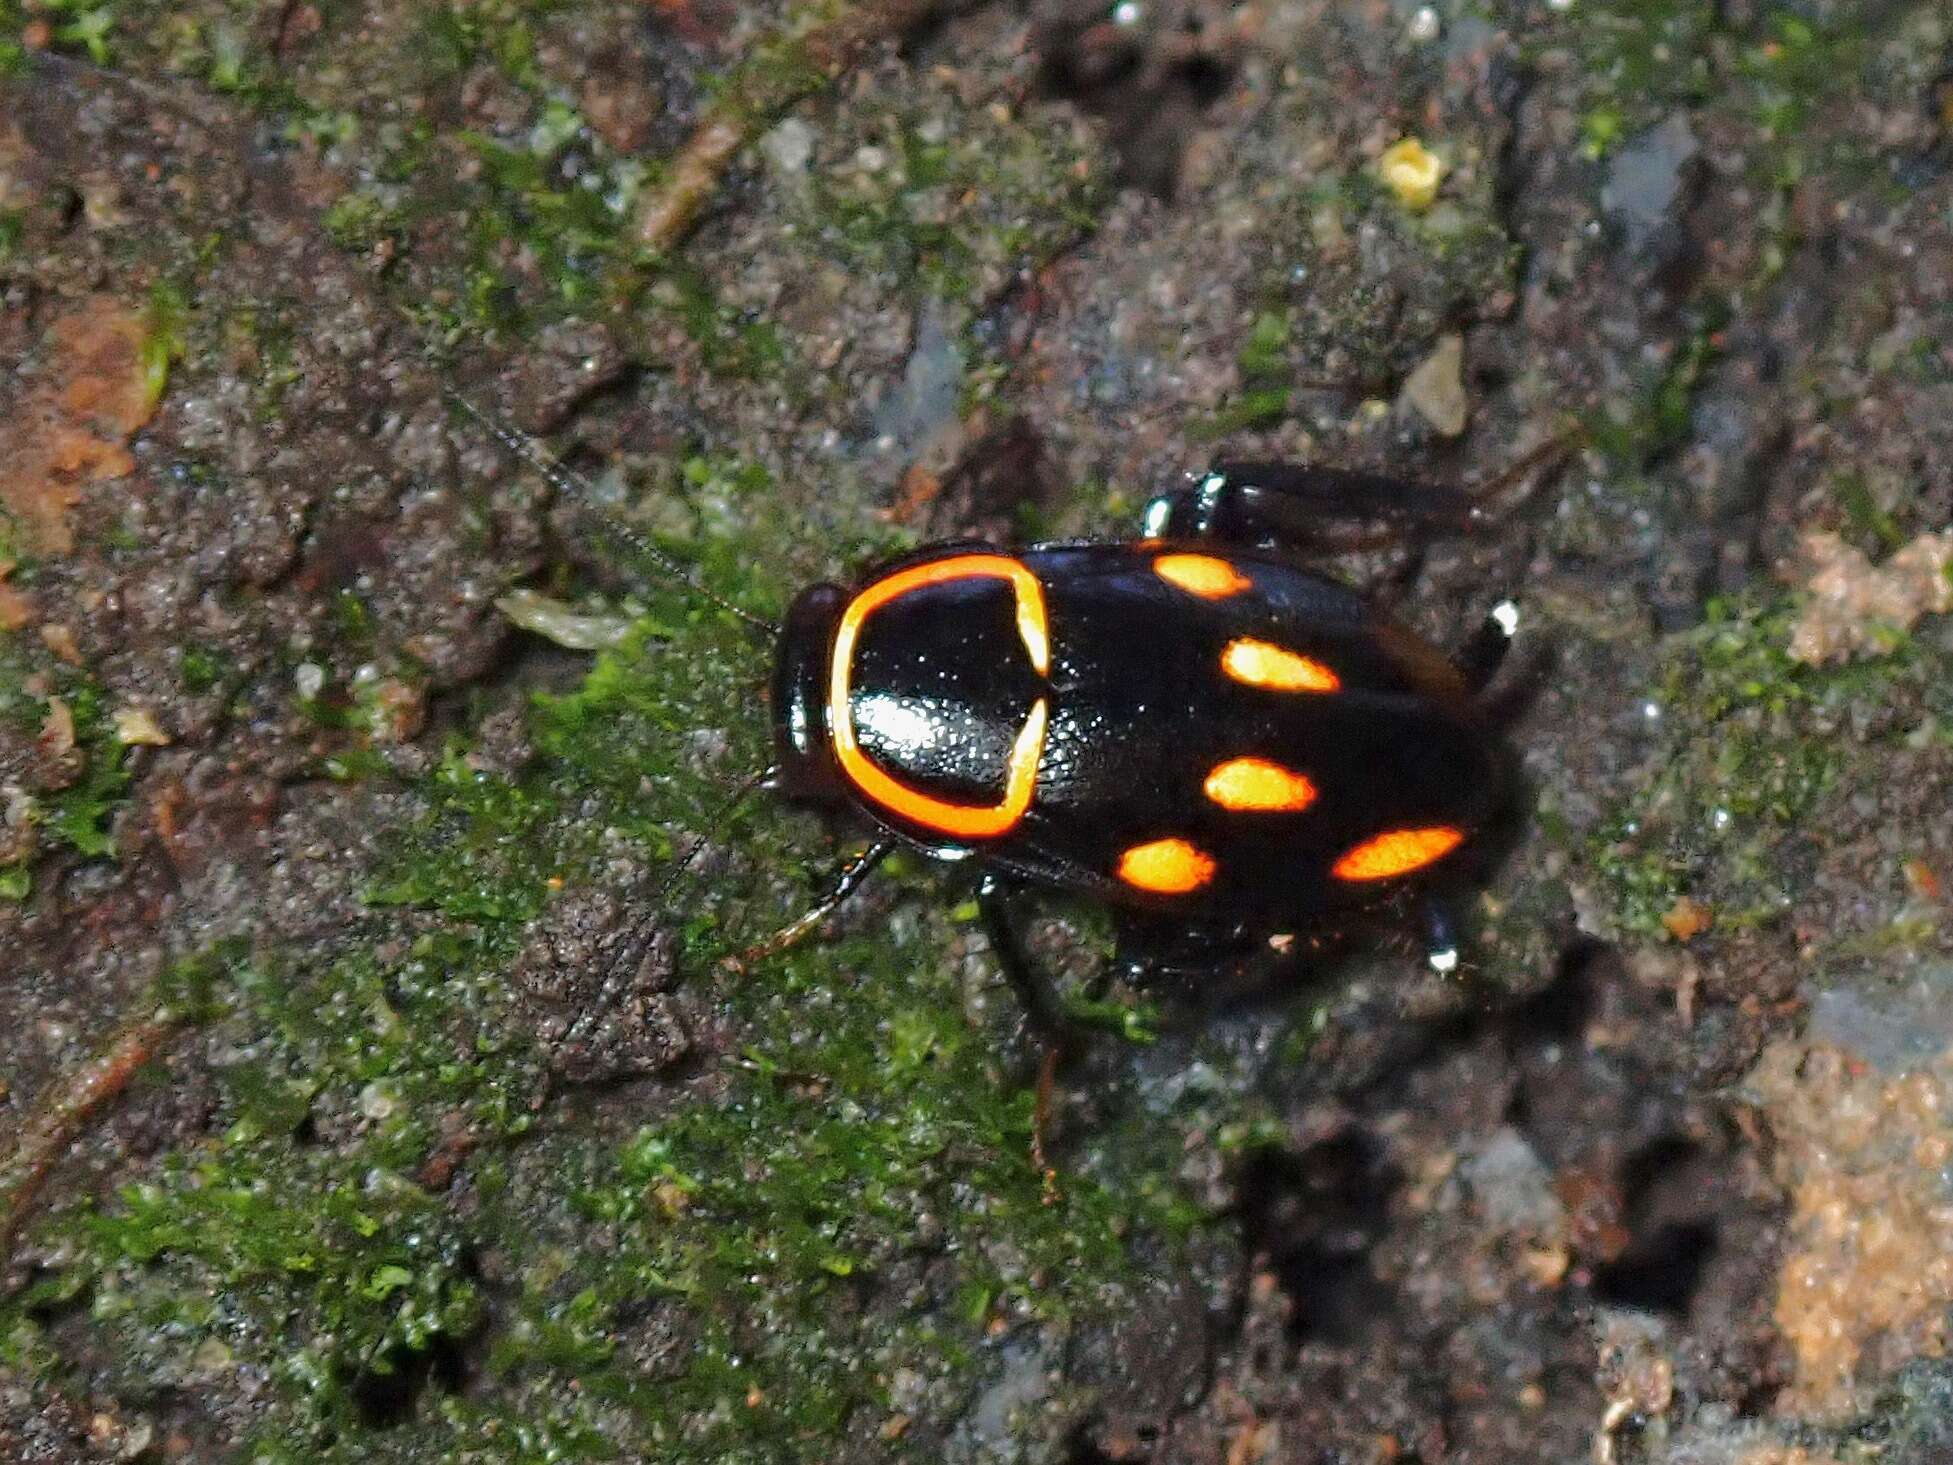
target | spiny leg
[
  {"x": 1248, "y": 502},
  {"x": 1044, "y": 1010},
  {"x": 849, "y": 880},
  {"x": 1044, "y": 1014}
]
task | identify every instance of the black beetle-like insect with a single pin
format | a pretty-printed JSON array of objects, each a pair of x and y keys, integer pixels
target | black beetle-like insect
[{"x": 1191, "y": 727}]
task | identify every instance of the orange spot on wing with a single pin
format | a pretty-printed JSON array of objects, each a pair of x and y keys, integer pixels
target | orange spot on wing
[
  {"x": 1259, "y": 785},
  {"x": 1264, "y": 664},
  {"x": 1397, "y": 852},
  {"x": 1202, "y": 575},
  {"x": 959, "y": 821},
  {"x": 1166, "y": 866}
]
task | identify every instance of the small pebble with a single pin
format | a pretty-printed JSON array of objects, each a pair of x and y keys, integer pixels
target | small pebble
[
  {"x": 788, "y": 148},
  {"x": 1436, "y": 388}
]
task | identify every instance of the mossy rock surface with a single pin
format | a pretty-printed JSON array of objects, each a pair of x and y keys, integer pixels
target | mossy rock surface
[{"x": 468, "y": 1143}]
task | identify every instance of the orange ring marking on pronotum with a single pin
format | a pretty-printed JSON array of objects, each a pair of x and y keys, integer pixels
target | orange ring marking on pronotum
[{"x": 960, "y": 821}]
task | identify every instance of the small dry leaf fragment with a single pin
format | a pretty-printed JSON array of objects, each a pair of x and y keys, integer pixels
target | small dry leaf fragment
[
  {"x": 1436, "y": 386},
  {"x": 58, "y": 729},
  {"x": 16, "y": 607},
  {"x": 1922, "y": 879},
  {"x": 554, "y": 620},
  {"x": 137, "y": 727},
  {"x": 60, "y": 639}
]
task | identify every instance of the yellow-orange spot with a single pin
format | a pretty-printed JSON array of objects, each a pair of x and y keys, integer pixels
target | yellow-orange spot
[
  {"x": 1264, "y": 664},
  {"x": 1166, "y": 866},
  {"x": 1257, "y": 784},
  {"x": 1202, "y": 575},
  {"x": 959, "y": 821},
  {"x": 1397, "y": 852}
]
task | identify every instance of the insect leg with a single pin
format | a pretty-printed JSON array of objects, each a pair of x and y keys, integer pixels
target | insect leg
[
  {"x": 1440, "y": 939},
  {"x": 1327, "y": 509},
  {"x": 1044, "y": 1013},
  {"x": 846, "y": 883},
  {"x": 1272, "y": 502},
  {"x": 1482, "y": 655}
]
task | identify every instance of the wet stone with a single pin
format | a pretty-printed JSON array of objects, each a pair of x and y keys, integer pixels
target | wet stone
[{"x": 594, "y": 985}]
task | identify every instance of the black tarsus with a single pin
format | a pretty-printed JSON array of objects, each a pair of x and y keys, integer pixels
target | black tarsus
[
  {"x": 1044, "y": 1015},
  {"x": 846, "y": 882},
  {"x": 1480, "y": 657}
]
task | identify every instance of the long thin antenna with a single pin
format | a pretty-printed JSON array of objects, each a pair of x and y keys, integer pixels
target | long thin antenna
[
  {"x": 716, "y": 822},
  {"x": 624, "y": 964},
  {"x": 573, "y": 485}
]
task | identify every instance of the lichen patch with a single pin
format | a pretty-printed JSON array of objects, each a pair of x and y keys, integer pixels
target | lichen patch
[
  {"x": 75, "y": 420},
  {"x": 1854, "y": 607},
  {"x": 1867, "y": 1275}
]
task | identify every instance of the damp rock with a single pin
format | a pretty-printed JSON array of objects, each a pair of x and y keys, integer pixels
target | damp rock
[
  {"x": 1513, "y": 1187},
  {"x": 1866, "y": 1280},
  {"x": 1895, "y": 1032},
  {"x": 932, "y": 383},
  {"x": 570, "y": 360},
  {"x": 595, "y": 985}
]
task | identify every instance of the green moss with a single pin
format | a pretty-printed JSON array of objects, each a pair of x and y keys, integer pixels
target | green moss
[
  {"x": 731, "y": 343},
  {"x": 526, "y": 205},
  {"x": 360, "y": 221},
  {"x": 1752, "y": 751},
  {"x": 480, "y": 852},
  {"x": 83, "y": 26},
  {"x": 1642, "y": 58},
  {"x": 793, "y": 1233},
  {"x": 778, "y": 71},
  {"x": 326, "y": 1265},
  {"x": 864, "y": 1120},
  {"x": 1266, "y": 378},
  {"x": 952, "y": 202},
  {"x": 870, "y": 1115},
  {"x": 79, "y": 814}
]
